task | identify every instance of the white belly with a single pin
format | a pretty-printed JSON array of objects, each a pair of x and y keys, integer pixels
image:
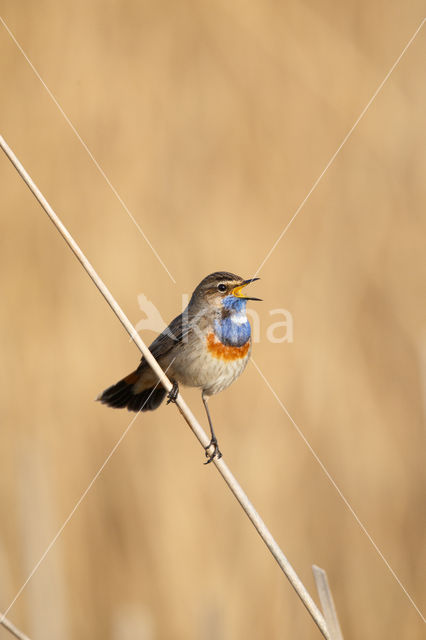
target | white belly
[{"x": 199, "y": 368}]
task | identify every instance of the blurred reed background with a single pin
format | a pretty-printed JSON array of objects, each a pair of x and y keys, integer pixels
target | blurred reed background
[{"x": 213, "y": 120}]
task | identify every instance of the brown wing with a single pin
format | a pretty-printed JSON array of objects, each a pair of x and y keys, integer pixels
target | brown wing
[{"x": 175, "y": 333}]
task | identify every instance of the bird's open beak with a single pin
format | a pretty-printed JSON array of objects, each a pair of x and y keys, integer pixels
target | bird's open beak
[{"x": 237, "y": 290}]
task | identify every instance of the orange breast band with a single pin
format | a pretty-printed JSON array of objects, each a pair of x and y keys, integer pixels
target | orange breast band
[{"x": 225, "y": 352}]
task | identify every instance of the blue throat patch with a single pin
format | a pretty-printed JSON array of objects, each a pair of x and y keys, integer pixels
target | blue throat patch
[{"x": 233, "y": 328}]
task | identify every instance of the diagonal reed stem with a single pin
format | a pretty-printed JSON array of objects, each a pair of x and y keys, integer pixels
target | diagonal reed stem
[
  {"x": 220, "y": 464},
  {"x": 7, "y": 624}
]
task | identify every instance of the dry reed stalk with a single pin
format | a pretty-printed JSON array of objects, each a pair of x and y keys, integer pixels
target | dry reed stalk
[
  {"x": 220, "y": 464},
  {"x": 12, "y": 629}
]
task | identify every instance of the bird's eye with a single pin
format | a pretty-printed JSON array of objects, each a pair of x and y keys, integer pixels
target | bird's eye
[{"x": 221, "y": 287}]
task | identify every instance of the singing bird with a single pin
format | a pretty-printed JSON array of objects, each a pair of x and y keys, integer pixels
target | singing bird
[{"x": 207, "y": 346}]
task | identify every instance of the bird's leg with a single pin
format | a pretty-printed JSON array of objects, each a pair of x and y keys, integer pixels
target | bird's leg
[
  {"x": 173, "y": 393},
  {"x": 213, "y": 442}
]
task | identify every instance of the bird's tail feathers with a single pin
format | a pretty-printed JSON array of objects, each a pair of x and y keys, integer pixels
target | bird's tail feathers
[{"x": 122, "y": 394}]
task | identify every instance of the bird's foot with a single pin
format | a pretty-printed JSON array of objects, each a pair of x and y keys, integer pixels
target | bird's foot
[
  {"x": 216, "y": 453},
  {"x": 173, "y": 393}
]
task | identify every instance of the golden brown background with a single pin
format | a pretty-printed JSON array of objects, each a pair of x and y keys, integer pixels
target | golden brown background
[{"x": 213, "y": 120}]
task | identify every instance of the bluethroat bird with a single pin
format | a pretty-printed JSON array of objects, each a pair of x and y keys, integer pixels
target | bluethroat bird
[{"x": 207, "y": 346}]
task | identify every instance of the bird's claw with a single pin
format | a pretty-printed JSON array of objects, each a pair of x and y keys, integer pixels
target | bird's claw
[
  {"x": 216, "y": 453},
  {"x": 173, "y": 393}
]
